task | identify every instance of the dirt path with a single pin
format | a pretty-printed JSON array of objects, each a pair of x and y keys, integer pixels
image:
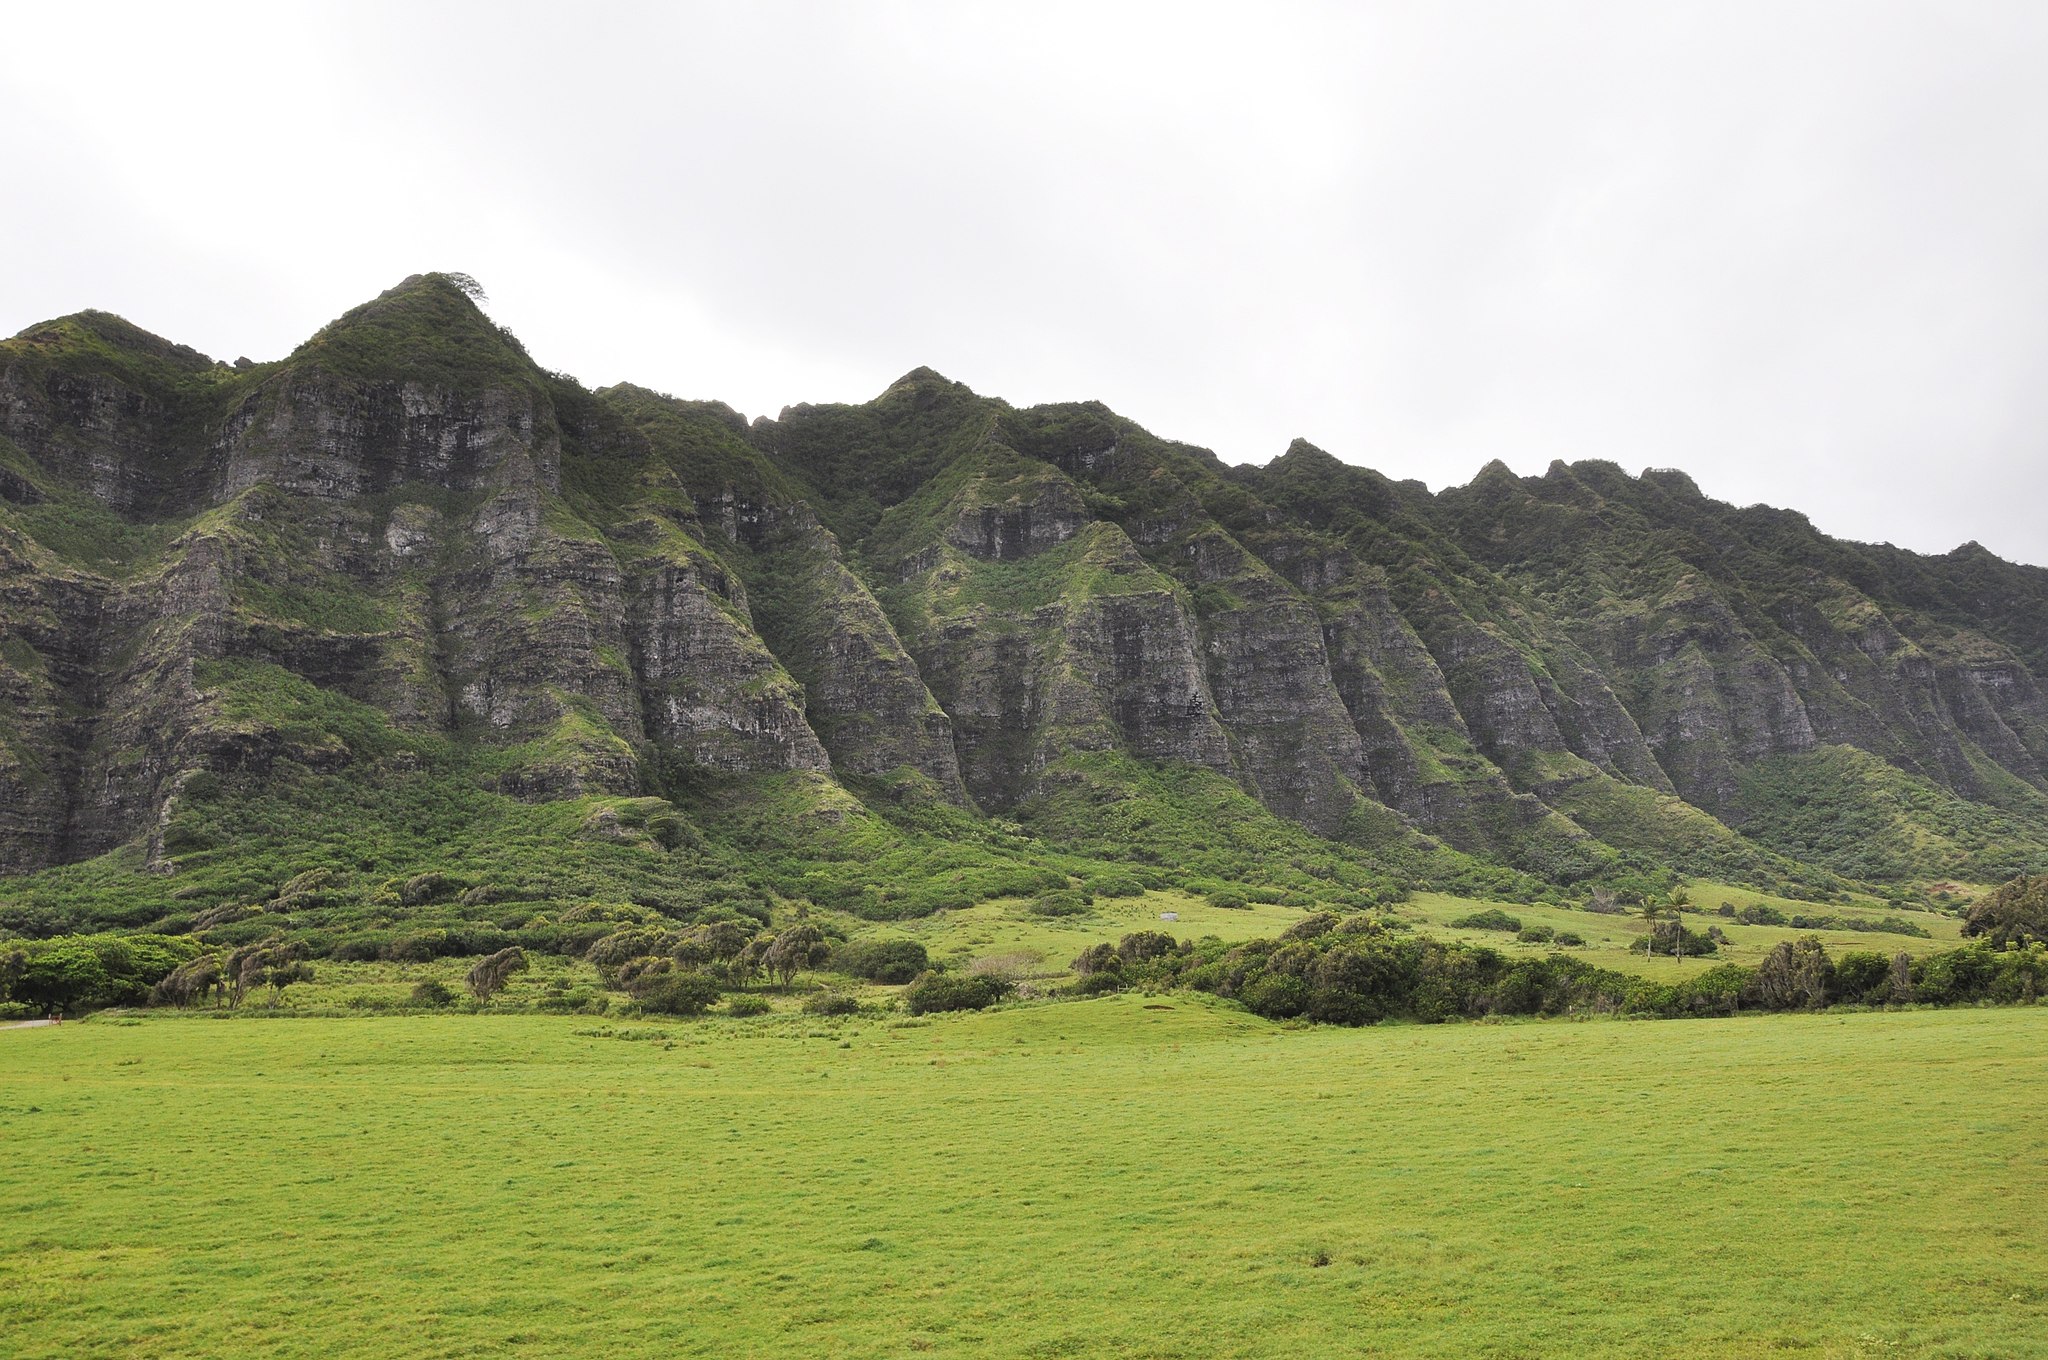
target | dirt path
[{"x": 27, "y": 1024}]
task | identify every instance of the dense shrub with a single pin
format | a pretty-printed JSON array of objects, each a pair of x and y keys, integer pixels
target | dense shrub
[
  {"x": 831, "y": 1003},
  {"x": 421, "y": 889},
  {"x": 1537, "y": 935},
  {"x": 886, "y": 961},
  {"x": 1141, "y": 946},
  {"x": 432, "y": 995},
  {"x": 1361, "y": 972},
  {"x": 1098, "y": 958},
  {"x": 576, "y": 1001},
  {"x": 932, "y": 992},
  {"x": 1096, "y": 983},
  {"x": 1795, "y": 975},
  {"x": 2014, "y": 913},
  {"x": 681, "y": 992},
  {"x": 82, "y": 972},
  {"x": 1060, "y": 902},
  {"x": 1493, "y": 918},
  {"x": 1887, "y": 925},
  {"x": 744, "y": 1005}
]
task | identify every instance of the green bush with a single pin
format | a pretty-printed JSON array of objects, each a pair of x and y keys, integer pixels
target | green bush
[
  {"x": 431, "y": 995},
  {"x": 831, "y": 1003},
  {"x": 84, "y": 972},
  {"x": 745, "y": 1005},
  {"x": 933, "y": 992},
  {"x": 681, "y": 992},
  {"x": 886, "y": 961},
  {"x": 2014, "y": 913},
  {"x": 1537, "y": 935},
  {"x": 577, "y": 1001},
  {"x": 1059, "y": 902},
  {"x": 1493, "y": 918}
]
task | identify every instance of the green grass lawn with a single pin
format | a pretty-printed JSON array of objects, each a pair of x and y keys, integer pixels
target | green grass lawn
[{"x": 1127, "y": 1176}]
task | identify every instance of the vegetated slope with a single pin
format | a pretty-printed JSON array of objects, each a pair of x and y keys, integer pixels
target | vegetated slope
[{"x": 406, "y": 604}]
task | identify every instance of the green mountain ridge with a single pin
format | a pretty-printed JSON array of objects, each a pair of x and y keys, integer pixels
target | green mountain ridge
[{"x": 405, "y": 605}]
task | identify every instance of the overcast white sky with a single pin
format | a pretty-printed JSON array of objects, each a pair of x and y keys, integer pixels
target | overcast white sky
[{"x": 1798, "y": 249}]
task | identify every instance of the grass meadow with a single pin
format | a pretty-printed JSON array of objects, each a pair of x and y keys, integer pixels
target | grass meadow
[
  {"x": 1161, "y": 1176},
  {"x": 1037, "y": 946}
]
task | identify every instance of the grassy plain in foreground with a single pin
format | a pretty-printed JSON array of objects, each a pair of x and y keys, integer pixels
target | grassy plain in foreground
[{"x": 1132, "y": 1176}]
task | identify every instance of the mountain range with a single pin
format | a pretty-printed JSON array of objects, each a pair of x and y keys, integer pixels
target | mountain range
[{"x": 405, "y": 623}]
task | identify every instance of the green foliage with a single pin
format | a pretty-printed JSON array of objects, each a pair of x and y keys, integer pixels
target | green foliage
[
  {"x": 684, "y": 992},
  {"x": 1353, "y": 971},
  {"x": 881, "y": 960},
  {"x": 2013, "y": 913},
  {"x": 1060, "y": 902},
  {"x": 85, "y": 972},
  {"x": 1849, "y": 811},
  {"x": 934, "y": 992},
  {"x": 432, "y": 994},
  {"x": 489, "y": 975},
  {"x": 1493, "y": 918},
  {"x": 427, "y": 330},
  {"x": 794, "y": 949}
]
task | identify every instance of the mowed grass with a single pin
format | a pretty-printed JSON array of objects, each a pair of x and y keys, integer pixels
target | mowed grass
[{"x": 1124, "y": 1176}]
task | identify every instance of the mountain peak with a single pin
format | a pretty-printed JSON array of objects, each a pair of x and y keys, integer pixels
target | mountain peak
[
  {"x": 1302, "y": 453},
  {"x": 1494, "y": 473},
  {"x": 925, "y": 381},
  {"x": 92, "y": 329},
  {"x": 428, "y": 328}
]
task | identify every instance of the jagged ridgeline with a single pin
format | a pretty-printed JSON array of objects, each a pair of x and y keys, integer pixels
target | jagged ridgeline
[{"x": 404, "y": 625}]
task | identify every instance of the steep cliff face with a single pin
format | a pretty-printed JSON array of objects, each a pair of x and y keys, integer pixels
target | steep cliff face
[{"x": 937, "y": 596}]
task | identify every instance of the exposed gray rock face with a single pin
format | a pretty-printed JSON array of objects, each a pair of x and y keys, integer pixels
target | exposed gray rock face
[
  {"x": 1037, "y": 516},
  {"x": 1102, "y": 655},
  {"x": 864, "y": 695},
  {"x": 1274, "y": 693},
  {"x": 310, "y": 433},
  {"x": 709, "y": 687}
]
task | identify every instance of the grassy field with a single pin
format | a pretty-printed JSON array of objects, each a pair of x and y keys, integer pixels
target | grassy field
[
  {"x": 1128, "y": 1176},
  {"x": 1036, "y": 946}
]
